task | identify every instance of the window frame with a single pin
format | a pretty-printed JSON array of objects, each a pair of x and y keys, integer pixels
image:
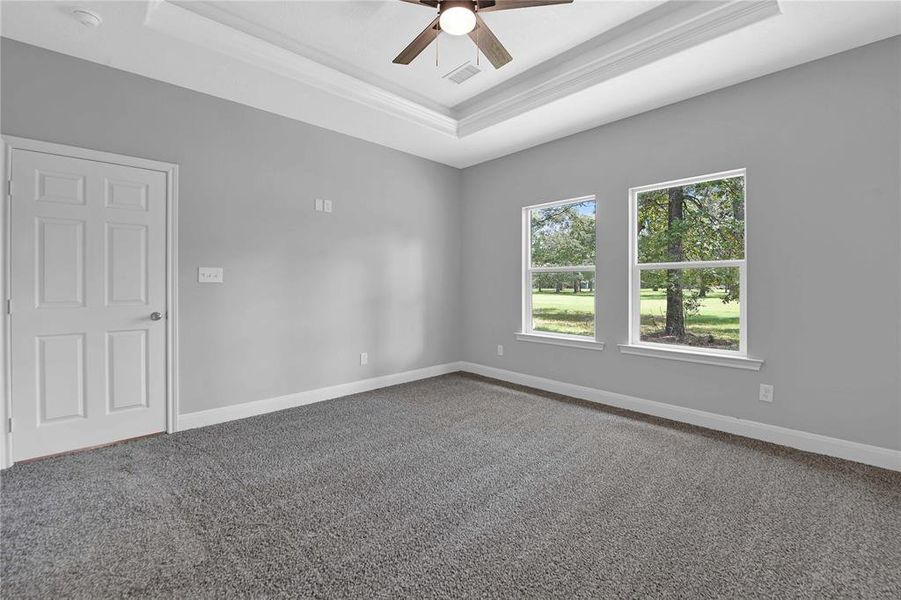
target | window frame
[
  {"x": 526, "y": 333},
  {"x": 635, "y": 268}
]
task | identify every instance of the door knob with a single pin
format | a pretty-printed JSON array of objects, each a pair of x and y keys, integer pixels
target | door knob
[{"x": 155, "y": 316}]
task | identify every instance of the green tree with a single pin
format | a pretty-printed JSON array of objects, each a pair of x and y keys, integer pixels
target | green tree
[
  {"x": 697, "y": 222},
  {"x": 563, "y": 236},
  {"x": 675, "y": 302}
]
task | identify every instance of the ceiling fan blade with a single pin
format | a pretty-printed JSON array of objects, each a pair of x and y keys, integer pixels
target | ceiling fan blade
[
  {"x": 421, "y": 42},
  {"x": 431, "y": 3},
  {"x": 495, "y": 5},
  {"x": 489, "y": 44}
]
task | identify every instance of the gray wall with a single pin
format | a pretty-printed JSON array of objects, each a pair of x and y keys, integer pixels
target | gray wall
[
  {"x": 821, "y": 145},
  {"x": 304, "y": 292}
]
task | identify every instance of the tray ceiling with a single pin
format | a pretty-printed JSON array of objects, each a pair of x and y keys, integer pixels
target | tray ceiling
[
  {"x": 361, "y": 38},
  {"x": 575, "y": 66}
]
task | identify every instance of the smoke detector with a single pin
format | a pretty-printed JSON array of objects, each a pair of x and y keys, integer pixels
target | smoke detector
[
  {"x": 463, "y": 72},
  {"x": 87, "y": 18}
]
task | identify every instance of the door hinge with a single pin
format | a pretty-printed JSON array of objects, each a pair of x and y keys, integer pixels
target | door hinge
[
  {"x": 9, "y": 188},
  {"x": 9, "y": 306},
  {"x": 9, "y": 426}
]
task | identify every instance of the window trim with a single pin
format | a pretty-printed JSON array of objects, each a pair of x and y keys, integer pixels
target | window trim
[
  {"x": 677, "y": 351},
  {"x": 561, "y": 339},
  {"x": 526, "y": 333},
  {"x": 686, "y": 354}
]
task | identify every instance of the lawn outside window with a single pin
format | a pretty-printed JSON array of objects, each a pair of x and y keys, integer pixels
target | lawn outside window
[
  {"x": 688, "y": 270},
  {"x": 559, "y": 248}
]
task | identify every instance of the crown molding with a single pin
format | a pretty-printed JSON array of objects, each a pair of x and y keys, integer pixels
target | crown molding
[
  {"x": 174, "y": 21},
  {"x": 652, "y": 36},
  {"x": 220, "y": 12},
  {"x": 661, "y": 32}
]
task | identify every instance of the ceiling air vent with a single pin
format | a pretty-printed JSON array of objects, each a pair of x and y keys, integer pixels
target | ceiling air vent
[{"x": 463, "y": 72}]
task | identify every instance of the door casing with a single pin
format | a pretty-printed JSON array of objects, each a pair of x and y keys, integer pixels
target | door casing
[{"x": 7, "y": 145}]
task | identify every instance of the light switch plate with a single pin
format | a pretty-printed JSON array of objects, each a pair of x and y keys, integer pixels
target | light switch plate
[
  {"x": 317, "y": 205},
  {"x": 327, "y": 204},
  {"x": 209, "y": 274}
]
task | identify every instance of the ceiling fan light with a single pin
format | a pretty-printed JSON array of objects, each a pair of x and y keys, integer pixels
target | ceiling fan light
[{"x": 457, "y": 20}]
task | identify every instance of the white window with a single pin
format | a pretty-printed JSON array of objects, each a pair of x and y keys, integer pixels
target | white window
[
  {"x": 688, "y": 276},
  {"x": 559, "y": 270}
]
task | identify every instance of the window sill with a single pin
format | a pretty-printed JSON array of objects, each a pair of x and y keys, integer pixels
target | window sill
[
  {"x": 561, "y": 340},
  {"x": 704, "y": 358}
]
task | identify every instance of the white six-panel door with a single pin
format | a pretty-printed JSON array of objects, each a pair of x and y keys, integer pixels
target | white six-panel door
[{"x": 87, "y": 270}]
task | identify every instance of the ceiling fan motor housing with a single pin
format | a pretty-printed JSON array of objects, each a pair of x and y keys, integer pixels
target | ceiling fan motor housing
[{"x": 446, "y": 4}]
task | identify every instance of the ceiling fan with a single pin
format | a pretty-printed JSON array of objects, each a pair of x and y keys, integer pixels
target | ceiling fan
[{"x": 461, "y": 17}]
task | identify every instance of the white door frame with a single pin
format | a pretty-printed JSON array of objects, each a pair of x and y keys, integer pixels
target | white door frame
[{"x": 7, "y": 145}]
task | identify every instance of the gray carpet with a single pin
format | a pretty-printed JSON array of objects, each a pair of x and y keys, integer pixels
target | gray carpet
[{"x": 453, "y": 487}]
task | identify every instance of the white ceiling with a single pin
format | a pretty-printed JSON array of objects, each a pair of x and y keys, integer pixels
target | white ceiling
[
  {"x": 361, "y": 38},
  {"x": 575, "y": 66}
]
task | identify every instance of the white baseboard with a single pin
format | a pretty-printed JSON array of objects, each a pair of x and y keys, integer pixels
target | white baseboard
[
  {"x": 250, "y": 409},
  {"x": 802, "y": 440},
  {"x": 793, "y": 438}
]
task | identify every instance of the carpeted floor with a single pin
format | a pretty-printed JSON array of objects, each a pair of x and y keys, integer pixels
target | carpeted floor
[{"x": 453, "y": 487}]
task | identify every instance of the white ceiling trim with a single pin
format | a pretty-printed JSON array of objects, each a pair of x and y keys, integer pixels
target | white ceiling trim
[
  {"x": 191, "y": 27},
  {"x": 657, "y": 34},
  {"x": 804, "y": 31}
]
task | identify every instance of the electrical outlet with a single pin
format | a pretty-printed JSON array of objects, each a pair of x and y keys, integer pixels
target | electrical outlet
[
  {"x": 500, "y": 350},
  {"x": 766, "y": 392},
  {"x": 364, "y": 358},
  {"x": 327, "y": 205}
]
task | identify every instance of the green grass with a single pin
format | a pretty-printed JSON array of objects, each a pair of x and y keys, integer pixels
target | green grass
[
  {"x": 715, "y": 324},
  {"x": 566, "y": 312}
]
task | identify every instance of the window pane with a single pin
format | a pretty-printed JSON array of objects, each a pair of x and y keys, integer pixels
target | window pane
[
  {"x": 563, "y": 236},
  {"x": 563, "y": 303},
  {"x": 700, "y": 221},
  {"x": 691, "y": 307}
]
